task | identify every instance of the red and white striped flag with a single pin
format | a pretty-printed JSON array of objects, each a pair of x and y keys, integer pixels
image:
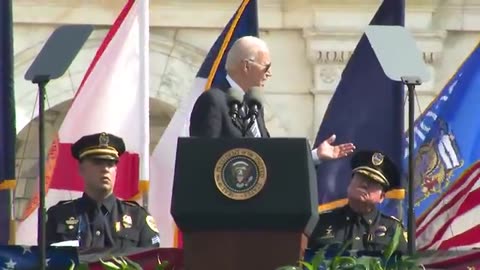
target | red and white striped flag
[
  {"x": 113, "y": 97},
  {"x": 453, "y": 221}
]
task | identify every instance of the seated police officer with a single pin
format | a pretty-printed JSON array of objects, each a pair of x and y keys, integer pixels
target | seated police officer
[
  {"x": 359, "y": 222},
  {"x": 98, "y": 219}
]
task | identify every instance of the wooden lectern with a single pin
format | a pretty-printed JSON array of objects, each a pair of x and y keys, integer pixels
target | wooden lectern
[{"x": 244, "y": 203}]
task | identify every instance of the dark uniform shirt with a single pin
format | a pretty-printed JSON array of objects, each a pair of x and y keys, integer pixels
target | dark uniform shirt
[
  {"x": 114, "y": 223},
  {"x": 371, "y": 232}
]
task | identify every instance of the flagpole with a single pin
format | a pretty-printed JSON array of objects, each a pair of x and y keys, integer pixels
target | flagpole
[
  {"x": 144, "y": 37},
  {"x": 41, "y": 157},
  {"x": 411, "y": 82},
  {"x": 7, "y": 178}
]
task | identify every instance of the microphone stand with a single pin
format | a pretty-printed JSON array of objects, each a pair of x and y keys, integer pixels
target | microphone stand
[{"x": 235, "y": 116}]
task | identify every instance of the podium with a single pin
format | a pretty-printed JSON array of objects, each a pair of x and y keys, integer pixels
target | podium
[{"x": 248, "y": 203}]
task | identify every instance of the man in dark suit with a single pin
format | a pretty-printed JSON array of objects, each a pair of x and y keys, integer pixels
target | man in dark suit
[
  {"x": 359, "y": 223},
  {"x": 98, "y": 219},
  {"x": 248, "y": 66}
]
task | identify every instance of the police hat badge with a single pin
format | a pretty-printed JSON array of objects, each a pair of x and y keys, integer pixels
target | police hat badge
[
  {"x": 377, "y": 159},
  {"x": 240, "y": 174}
]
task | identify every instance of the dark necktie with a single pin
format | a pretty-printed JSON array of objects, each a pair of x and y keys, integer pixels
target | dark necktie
[
  {"x": 101, "y": 229},
  {"x": 357, "y": 232}
]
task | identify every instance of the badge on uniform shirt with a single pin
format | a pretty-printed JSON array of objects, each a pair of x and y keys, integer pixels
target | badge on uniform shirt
[
  {"x": 127, "y": 221},
  {"x": 328, "y": 232},
  {"x": 380, "y": 231},
  {"x": 155, "y": 240},
  {"x": 151, "y": 223},
  {"x": 117, "y": 226},
  {"x": 71, "y": 222}
]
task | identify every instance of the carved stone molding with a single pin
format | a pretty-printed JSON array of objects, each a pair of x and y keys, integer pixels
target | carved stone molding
[
  {"x": 329, "y": 51},
  {"x": 336, "y": 46}
]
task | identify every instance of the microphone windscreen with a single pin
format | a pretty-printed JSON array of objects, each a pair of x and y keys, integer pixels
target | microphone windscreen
[
  {"x": 256, "y": 95},
  {"x": 235, "y": 95}
]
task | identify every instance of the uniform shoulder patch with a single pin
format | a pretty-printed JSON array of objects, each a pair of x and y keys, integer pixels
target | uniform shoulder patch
[{"x": 151, "y": 223}]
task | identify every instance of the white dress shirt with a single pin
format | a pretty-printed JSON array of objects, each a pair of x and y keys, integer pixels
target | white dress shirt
[{"x": 236, "y": 87}]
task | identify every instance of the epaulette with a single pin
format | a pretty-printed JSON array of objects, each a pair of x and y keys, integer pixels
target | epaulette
[
  {"x": 64, "y": 202},
  {"x": 135, "y": 205},
  {"x": 325, "y": 212},
  {"x": 131, "y": 203},
  {"x": 396, "y": 219}
]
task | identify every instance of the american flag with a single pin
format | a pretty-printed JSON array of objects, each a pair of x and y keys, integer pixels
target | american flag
[{"x": 27, "y": 257}]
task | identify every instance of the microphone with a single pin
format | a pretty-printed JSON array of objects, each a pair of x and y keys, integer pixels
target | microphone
[
  {"x": 235, "y": 99},
  {"x": 254, "y": 99}
]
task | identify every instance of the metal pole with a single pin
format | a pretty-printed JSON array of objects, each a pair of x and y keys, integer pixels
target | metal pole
[
  {"x": 411, "y": 202},
  {"x": 41, "y": 142}
]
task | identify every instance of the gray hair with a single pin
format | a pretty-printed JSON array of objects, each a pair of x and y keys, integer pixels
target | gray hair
[{"x": 246, "y": 47}]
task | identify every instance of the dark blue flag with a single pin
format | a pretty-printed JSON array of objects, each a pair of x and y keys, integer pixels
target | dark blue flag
[
  {"x": 7, "y": 121},
  {"x": 243, "y": 23},
  {"x": 366, "y": 109}
]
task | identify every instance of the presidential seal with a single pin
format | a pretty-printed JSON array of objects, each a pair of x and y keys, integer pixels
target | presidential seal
[{"x": 240, "y": 174}]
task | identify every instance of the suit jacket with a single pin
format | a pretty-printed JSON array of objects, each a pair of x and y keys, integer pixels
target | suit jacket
[{"x": 210, "y": 117}]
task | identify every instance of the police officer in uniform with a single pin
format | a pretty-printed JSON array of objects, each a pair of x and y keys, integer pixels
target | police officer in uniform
[
  {"x": 98, "y": 219},
  {"x": 359, "y": 222}
]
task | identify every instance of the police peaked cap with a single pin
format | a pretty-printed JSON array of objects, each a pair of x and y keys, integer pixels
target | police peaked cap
[
  {"x": 376, "y": 166},
  {"x": 98, "y": 146}
]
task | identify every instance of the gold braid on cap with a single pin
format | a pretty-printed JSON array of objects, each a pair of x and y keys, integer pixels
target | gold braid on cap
[
  {"x": 93, "y": 150},
  {"x": 374, "y": 174}
]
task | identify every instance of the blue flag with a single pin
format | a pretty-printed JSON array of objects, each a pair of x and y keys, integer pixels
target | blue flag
[
  {"x": 243, "y": 23},
  {"x": 27, "y": 257},
  {"x": 447, "y": 163},
  {"x": 366, "y": 109},
  {"x": 7, "y": 120}
]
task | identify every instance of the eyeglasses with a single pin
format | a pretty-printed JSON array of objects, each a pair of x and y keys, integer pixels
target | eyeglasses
[{"x": 266, "y": 67}]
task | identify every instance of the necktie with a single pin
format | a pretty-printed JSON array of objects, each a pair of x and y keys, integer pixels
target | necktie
[
  {"x": 254, "y": 127},
  {"x": 103, "y": 237},
  {"x": 255, "y": 131}
]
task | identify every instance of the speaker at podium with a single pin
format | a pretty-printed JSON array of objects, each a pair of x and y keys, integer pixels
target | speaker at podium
[{"x": 246, "y": 203}]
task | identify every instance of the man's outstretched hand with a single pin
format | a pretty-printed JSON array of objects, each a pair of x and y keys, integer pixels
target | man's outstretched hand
[{"x": 326, "y": 150}]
